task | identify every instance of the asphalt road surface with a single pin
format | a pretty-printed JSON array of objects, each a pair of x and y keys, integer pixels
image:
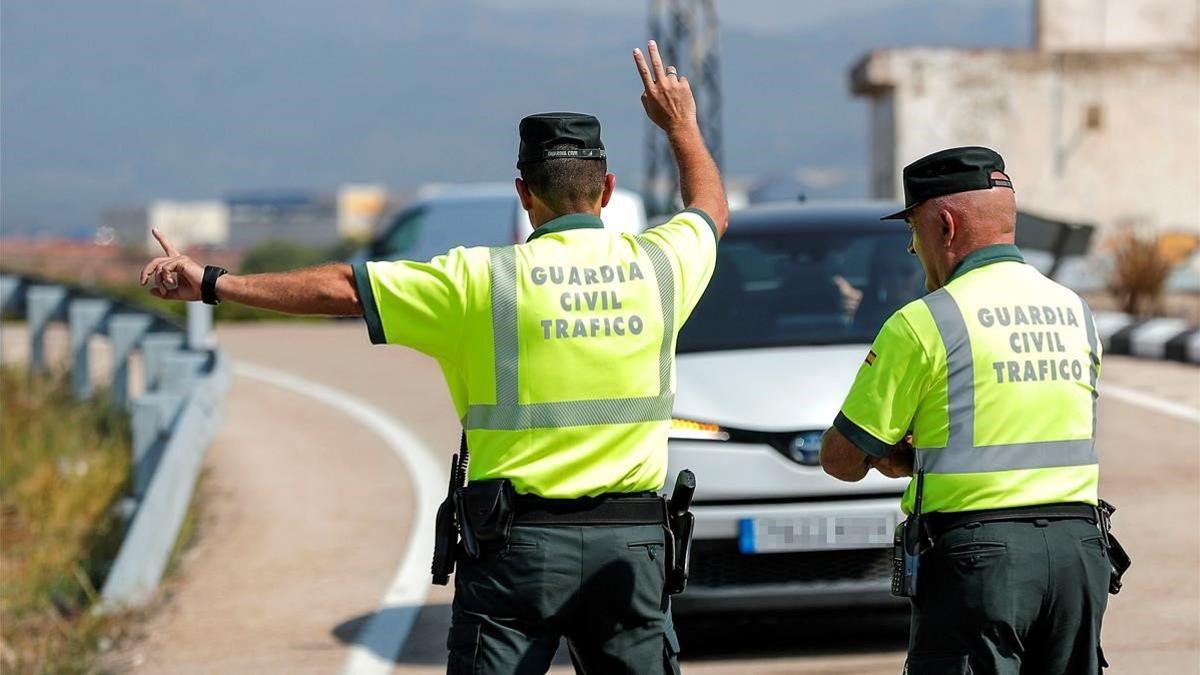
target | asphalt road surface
[{"x": 308, "y": 513}]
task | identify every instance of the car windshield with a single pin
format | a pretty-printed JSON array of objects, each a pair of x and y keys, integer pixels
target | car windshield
[
  {"x": 432, "y": 229},
  {"x": 802, "y": 287}
]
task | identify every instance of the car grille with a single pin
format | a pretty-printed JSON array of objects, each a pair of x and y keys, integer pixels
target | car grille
[{"x": 720, "y": 563}]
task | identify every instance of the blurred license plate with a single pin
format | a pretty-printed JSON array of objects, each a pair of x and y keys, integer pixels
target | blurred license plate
[{"x": 816, "y": 532}]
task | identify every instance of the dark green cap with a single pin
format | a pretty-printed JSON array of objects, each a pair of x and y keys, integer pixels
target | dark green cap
[
  {"x": 543, "y": 131},
  {"x": 949, "y": 171}
]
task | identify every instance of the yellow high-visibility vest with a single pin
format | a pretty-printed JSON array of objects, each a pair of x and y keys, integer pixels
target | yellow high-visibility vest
[
  {"x": 995, "y": 375},
  {"x": 559, "y": 353}
]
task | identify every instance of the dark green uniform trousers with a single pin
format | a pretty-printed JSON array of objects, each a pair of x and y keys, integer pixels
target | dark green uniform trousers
[
  {"x": 1011, "y": 597},
  {"x": 600, "y": 586}
]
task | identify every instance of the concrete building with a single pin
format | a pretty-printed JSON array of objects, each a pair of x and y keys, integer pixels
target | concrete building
[
  {"x": 1099, "y": 122},
  {"x": 198, "y": 223}
]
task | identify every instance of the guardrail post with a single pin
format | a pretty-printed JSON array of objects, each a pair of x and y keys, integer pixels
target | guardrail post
[
  {"x": 153, "y": 417},
  {"x": 124, "y": 331},
  {"x": 181, "y": 370},
  {"x": 43, "y": 303},
  {"x": 11, "y": 299},
  {"x": 155, "y": 348},
  {"x": 199, "y": 326},
  {"x": 147, "y": 424},
  {"x": 85, "y": 318}
]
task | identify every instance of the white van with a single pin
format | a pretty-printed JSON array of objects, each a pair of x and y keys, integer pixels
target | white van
[{"x": 443, "y": 216}]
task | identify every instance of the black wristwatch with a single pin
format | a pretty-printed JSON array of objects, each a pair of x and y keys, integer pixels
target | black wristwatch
[{"x": 208, "y": 286}]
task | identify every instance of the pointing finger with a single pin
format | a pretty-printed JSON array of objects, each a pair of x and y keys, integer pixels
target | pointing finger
[
  {"x": 643, "y": 69},
  {"x": 162, "y": 241}
]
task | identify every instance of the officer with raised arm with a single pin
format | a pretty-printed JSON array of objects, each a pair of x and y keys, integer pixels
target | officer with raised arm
[
  {"x": 986, "y": 388},
  {"x": 559, "y": 354}
]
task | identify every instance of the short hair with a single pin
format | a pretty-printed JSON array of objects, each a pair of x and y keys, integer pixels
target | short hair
[{"x": 566, "y": 184}]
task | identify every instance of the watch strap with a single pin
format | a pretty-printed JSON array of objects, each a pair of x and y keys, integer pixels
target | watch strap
[{"x": 208, "y": 285}]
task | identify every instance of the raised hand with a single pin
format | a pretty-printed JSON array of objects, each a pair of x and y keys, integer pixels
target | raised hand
[
  {"x": 668, "y": 97},
  {"x": 174, "y": 276}
]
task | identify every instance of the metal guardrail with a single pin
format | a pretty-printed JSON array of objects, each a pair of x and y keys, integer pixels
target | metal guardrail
[{"x": 185, "y": 380}]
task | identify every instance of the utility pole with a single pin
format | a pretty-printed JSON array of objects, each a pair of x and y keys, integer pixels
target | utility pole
[{"x": 686, "y": 32}]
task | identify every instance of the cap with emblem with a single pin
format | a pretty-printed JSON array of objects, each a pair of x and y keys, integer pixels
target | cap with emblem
[
  {"x": 541, "y": 132},
  {"x": 947, "y": 172}
]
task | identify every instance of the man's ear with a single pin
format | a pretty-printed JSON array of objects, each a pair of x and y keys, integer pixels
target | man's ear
[
  {"x": 610, "y": 185},
  {"x": 948, "y": 228},
  {"x": 524, "y": 194}
]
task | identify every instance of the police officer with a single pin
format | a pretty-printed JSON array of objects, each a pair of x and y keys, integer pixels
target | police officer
[
  {"x": 559, "y": 357},
  {"x": 987, "y": 388}
]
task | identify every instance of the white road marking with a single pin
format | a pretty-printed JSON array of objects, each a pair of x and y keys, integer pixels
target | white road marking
[
  {"x": 382, "y": 638},
  {"x": 1158, "y": 405}
]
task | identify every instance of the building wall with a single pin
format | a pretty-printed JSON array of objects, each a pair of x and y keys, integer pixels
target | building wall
[
  {"x": 1117, "y": 25},
  {"x": 1100, "y": 137}
]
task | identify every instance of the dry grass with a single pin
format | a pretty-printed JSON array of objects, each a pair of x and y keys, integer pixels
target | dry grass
[
  {"x": 1142, "y": 262},
  {"x": 64, "y": 465}
]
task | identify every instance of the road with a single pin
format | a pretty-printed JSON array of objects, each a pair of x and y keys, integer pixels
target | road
[{"x": 308, "y": 512}]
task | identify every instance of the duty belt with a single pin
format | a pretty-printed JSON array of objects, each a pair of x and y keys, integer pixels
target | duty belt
[
  {"x": 940, "y": 523},
  {"x": 642, "y": 508}
]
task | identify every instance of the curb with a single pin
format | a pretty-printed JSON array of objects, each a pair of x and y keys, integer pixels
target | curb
[{"x": 1167, "y": 339}]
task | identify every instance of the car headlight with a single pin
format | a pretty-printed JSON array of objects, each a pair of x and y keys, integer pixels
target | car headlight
[{"x": 693, "y": 430}]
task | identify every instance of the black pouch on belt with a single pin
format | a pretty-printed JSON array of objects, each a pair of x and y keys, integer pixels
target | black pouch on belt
[{"x": 485, "y": 514}]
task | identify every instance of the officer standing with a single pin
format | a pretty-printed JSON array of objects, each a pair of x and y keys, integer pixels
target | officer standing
[
  {"x": 559, "y": 357},
  {"x": 987, "y": 388}
]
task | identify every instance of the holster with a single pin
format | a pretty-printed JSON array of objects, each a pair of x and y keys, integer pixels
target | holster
[
  {"x": 485, "y": 512},
  {"x": 679, "y": 553},
  {"x": 681, "y": 523},
  {"x": 445, "y": 533},
  {"x": 1118, "y": 559}
]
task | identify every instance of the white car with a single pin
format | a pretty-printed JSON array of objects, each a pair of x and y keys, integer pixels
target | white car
[
  {"x": 443, "y": 216},
  {"x": 763, "y": 366}
]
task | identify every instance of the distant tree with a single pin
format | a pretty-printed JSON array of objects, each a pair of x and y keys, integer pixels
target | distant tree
[{"x": 278, "y": 255}]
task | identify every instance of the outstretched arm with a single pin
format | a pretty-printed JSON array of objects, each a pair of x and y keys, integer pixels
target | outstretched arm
[
  {"x": 326, "y": 289},
  {"x": 670, "y": 105}
]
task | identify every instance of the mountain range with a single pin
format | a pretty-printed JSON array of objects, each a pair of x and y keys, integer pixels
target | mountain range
[{"x": 117, "y": 103}]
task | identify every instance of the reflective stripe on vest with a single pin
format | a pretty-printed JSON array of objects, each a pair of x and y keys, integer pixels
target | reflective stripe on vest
[
  {"x": 508, "y": 413},
  {"x": 961, "y": 454}
]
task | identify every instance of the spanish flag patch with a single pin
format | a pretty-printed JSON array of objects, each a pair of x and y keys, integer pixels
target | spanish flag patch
[{"x": 871, "y": 358}]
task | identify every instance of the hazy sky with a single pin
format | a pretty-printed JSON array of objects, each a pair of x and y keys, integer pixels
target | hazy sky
[{"x": 123, "y": 101}]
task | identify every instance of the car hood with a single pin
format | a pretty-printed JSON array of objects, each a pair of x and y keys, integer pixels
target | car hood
[{"x": 778, "y": 389}]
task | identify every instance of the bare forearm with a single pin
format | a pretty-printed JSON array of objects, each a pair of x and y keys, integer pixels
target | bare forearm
[
  {"x": 699, "y": 179},
  {"x": 326, "y": 290}
]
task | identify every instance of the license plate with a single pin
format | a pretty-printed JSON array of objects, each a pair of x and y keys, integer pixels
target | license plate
[{"x": 816, "y": 532}]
